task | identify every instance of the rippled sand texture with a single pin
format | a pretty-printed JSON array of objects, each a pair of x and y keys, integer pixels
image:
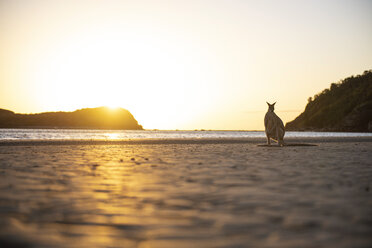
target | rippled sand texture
[{"x": 186, "y": 195}]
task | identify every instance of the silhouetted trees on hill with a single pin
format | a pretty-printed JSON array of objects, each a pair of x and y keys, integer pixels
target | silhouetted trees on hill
[
  {"x": 345, "y": 106},
  {"x": 91, "y": 118}
]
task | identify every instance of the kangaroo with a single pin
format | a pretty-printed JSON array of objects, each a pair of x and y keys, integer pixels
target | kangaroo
[{"x": 274, "y": 127}]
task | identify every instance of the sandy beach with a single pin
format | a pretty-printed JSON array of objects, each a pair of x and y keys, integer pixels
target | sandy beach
[{"x": 164, "y": 193}]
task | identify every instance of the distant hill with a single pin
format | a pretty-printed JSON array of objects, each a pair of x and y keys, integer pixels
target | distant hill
[
  {"x": 345, "y": 106},
  {"x": 90, "y": 118}
]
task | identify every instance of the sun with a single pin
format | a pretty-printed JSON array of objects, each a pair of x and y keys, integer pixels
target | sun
[
  {"x": 163, "y": 88},
  {"x": 112, "y": 107}
]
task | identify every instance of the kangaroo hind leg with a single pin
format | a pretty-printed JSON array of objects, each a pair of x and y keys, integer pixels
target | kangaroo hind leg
[{"x": 278, "y": 137}]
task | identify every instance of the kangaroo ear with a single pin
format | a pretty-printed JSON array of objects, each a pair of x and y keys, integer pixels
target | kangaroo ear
[
  {"x": 268, "y": 103},
  {"x": 274, "y": 103}
]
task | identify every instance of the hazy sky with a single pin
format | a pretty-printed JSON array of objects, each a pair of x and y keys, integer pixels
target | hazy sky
[{"x": 180, "y": 64}]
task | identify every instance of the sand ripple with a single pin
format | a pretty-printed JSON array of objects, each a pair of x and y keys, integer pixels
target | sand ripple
[{"x": 186, "y": 195}]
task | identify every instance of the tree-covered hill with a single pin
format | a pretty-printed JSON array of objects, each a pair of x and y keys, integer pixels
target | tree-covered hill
[
  {"x": 91, "y": 118},
  {"x": 345, "y": 106}
]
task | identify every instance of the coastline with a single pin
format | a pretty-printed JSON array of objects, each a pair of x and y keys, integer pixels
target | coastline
[{"x": 182, "y": 141}]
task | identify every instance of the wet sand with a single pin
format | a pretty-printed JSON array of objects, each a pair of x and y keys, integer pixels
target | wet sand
[{"x": 196, "y": 193}]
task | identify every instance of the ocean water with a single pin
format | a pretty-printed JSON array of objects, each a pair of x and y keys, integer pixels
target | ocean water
[{"x": 88, "y": 134}]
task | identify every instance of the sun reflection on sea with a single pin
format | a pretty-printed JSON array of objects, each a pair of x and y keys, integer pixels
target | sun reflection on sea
[{"x": 112, "y": 136}]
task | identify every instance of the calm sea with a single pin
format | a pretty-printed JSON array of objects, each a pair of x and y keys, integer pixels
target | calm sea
[{"x": 84, "y": 134}]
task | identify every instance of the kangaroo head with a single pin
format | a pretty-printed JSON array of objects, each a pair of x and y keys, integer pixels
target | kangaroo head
[{"x": 271, "y": 106}]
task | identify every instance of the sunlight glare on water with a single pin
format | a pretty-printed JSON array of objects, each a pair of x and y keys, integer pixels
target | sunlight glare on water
[{"x": 87, "y": 134}]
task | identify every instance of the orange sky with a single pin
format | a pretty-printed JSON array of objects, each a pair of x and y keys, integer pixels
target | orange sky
[{"x": 179, "y": 64}]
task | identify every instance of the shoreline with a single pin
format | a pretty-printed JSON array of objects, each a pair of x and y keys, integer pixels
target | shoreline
[{"x": 182, "y": 141}]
